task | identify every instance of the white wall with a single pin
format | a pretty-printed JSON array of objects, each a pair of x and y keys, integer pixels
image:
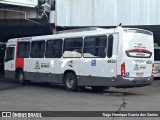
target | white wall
[{"x": 107, "y": 12}]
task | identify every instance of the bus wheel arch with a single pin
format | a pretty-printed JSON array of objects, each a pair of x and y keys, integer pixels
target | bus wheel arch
[{"x": 70, "y": 80}]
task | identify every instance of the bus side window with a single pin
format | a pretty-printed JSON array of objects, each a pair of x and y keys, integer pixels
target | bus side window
[
  {"x": 10, "y": 54},
  {"x": 54, "y": 48},
  {"x": 23, "y": 49},
  {"x": 95, "y": 47},
  {"x": 37, "y": 49},
  {"x": 110, "y": 46},
  {"x": 73, "y": 47}
]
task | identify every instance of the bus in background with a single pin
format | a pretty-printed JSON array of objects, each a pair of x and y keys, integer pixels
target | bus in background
[
  {"x": 96, "y": 58},
  {"x": 156, "y": 61}
]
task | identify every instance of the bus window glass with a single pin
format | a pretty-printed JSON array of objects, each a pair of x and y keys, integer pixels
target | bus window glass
[
  {"x": 157, "y": 54},
  {"x": 37, "y": 49},
  {"x": 95, "y": 46},
  {"x": 110, "y": 46},
  {"x": 10, "y": 53},
  {"x": 54, "y": 48},
  {"x": 23, "y": 50},
  {"x": 73, "y": 47}
]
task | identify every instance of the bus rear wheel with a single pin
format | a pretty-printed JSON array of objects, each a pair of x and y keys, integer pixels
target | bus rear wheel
[
  {"x": 99, "y": 88},
  {"x": 70, "y": 82},
  {"x": 20, "y": 77}
]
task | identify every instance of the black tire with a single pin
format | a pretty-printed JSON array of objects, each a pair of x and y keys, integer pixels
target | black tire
[
  {"x": 20, "y": 77},
  {"x": 99, "y": 88},
  {"x": 70, "y": 82}
]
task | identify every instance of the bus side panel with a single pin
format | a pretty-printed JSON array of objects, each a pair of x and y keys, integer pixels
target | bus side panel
[
  {"x": 100, "y": 71},
  {"x": 43, "y": 70},
  {"x": 19, "y": 61},
  {"x": 95, "y": 81}
]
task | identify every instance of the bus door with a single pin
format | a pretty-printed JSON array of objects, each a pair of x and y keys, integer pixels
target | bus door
[{"x": 10, "y": 61}]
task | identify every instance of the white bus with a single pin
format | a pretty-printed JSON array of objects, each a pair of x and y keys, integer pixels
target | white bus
[
  {"x": 100, "y": 58},
  {"x": 157, "y": 61}
]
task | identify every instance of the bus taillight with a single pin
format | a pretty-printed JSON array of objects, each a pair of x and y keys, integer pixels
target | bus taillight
[
  {"x": 123, "y": 71},
  {"x": 152, "y": 74}
]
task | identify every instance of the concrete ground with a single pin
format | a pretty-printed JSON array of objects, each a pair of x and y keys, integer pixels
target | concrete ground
[{"x": 40, "y": 97}]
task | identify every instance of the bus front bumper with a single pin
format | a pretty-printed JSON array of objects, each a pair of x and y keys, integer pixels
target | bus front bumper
[{"x": 123, "y": 82}]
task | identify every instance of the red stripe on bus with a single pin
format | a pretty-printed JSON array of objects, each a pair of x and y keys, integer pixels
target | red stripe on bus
[{"x": 19, "y": 61}]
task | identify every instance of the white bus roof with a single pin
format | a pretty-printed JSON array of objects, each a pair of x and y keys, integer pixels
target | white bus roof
[{"x": 95, "y": 31}]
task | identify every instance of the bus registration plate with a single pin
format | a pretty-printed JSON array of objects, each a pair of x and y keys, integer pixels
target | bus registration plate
[{"x": 140, "y": 74}]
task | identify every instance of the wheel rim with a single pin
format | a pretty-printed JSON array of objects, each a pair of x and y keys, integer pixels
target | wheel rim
[
  {"x": 20, "y": 77},
  {"x": 70, "y": 82}
]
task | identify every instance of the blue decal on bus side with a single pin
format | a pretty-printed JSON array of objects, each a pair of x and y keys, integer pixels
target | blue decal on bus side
[
  {"x": 93, "y": 62},
  {"x": 127, "y": 74}
]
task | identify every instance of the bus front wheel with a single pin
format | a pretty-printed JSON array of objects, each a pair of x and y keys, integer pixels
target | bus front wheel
[
  {"x": 20, "y": 77},
  {"x": 70, "y": 82}
]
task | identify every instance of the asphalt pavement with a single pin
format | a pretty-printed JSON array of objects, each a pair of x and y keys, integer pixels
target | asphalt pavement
[{"x": 42, "y": 97}]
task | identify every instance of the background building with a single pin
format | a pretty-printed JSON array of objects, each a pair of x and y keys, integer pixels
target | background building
[
  {"x": 21, "y": 18},
  {"x": 24, "y": 18},
  {"x": 109, "y": 13}
]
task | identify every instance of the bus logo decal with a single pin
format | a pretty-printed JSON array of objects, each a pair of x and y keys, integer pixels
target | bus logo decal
[
  {"x": 70, "y": 63},
  {"x": 149, "y": 62},
  {"x": 45, "y": 65},
  {"x": 37, "y": 65},
  {"x": 143, "y": 67},
  {"x": 136, "y": 67},
  {"x": 93, "y": 63}
]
